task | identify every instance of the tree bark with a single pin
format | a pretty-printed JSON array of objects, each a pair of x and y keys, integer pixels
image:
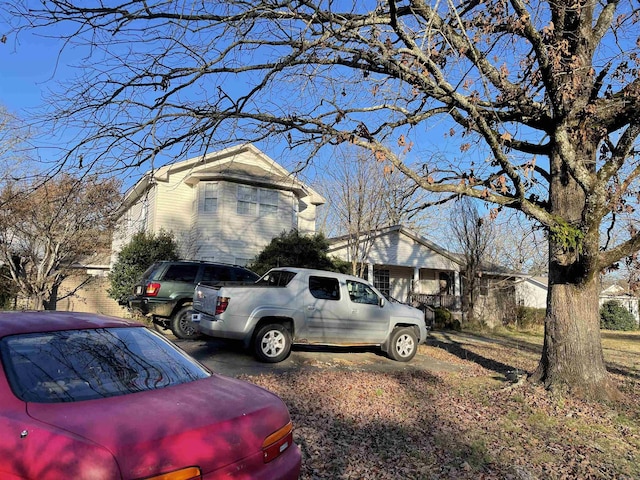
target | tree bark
[{"x": 572, "y": 358}]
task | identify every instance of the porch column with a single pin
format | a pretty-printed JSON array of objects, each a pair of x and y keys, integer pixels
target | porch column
[
  {"x": 457, "y": 288},
  {"x": 416, "y": 279},
  {"x": 370, "y": 272}
]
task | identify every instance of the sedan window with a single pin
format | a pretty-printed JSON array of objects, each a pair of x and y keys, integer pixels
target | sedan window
[{"x": 73, "y": 365}]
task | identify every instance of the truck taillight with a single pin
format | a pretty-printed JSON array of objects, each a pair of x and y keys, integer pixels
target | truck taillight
[
  {"x": 221, "y": 304},
  {"x": 152, "y": 289}
]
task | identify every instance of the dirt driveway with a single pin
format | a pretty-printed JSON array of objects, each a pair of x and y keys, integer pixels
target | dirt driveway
[{"x": 229, "y": 358}]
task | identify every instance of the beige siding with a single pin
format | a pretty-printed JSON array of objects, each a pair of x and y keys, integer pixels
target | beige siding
[
  {"x": 227, "y": 236},
  {"x": 173, "y": 211},
  {"x": 224, "y": 235},
  {"x": 306, "y": 217},
  {"x": 138, "y": 217},
  {"x": 400, "y": 250},
  {"x": 499, "y": 305}
]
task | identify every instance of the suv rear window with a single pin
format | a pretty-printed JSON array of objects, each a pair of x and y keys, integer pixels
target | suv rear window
[
  {"x": 223, "y": 273},
  {"x": 152, "y": 271},
  {"x": 181, "y": 273}
]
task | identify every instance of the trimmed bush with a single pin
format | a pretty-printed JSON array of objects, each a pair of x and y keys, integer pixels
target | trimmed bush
[
  {"x": 443, "y": 319},
  {"x": 614, "y": 316}
]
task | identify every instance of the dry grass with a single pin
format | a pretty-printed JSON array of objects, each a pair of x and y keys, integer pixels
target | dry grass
[{"x": 473, "y": 424}]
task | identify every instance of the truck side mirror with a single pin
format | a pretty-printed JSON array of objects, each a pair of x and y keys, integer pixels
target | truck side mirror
[{"x": 381, "y": 301}]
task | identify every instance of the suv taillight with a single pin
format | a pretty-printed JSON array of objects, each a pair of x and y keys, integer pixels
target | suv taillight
[
  {"x": 152, "y": 289},
  {"x": 221, "y": 304}
]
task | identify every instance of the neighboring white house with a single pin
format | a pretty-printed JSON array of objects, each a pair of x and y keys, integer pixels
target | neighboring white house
[
  {"x": 224, "y": 206},
  {"x": 403, "y": 264},
  {"x": 531, "y": 291},
  {"x": 621, "y": 295}
]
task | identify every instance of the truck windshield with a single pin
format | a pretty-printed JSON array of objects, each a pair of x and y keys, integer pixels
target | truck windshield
[{"x": 278, "y": 278}]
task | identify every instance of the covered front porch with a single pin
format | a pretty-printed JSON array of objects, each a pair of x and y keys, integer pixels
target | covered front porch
[
  {"x": 424, "y": 287},
  {"x": 406, "y": 266}
]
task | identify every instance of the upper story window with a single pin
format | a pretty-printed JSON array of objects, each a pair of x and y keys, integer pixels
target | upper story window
[
  {"x": 257, "y": 201},
  {"x": 210, "y": 197},
  {"x": 268, "y": 202},
  {"x": 247, "y": 200}
]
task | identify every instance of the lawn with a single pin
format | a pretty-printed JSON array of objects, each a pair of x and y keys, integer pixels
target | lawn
[{"x": 470, "y": 424}]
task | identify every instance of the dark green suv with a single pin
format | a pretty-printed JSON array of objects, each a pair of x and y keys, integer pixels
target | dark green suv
[{"x": 165, "y": 292}]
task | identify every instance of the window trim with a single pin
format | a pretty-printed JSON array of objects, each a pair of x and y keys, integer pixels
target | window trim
[
  {"x": 258, "y": 205},
  {"x": 209, "y": 187}
]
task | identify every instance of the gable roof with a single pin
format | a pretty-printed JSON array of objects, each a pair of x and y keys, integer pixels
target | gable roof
[
  {"x": 340, "y": 242},
  {"x": 242, "y": 164}
]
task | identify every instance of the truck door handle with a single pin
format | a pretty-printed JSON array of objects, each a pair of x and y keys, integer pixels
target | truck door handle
[{"x": 310, "y": 307}]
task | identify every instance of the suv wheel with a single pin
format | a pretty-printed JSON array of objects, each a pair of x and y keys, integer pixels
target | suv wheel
[{"x": 182, "y": 326}]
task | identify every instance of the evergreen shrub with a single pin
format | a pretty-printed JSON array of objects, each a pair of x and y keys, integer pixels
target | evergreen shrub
[{"x": 614, "y": 316}]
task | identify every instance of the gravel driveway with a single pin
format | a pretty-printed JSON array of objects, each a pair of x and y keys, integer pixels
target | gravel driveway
[{"x": 229, "y": 358}]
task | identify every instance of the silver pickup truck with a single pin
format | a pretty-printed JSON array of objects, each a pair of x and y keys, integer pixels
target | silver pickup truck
[{"x": 301, "y": 306}]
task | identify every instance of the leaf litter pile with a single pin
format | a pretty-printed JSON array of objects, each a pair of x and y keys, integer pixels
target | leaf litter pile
[{"x": 468, "y": 424}]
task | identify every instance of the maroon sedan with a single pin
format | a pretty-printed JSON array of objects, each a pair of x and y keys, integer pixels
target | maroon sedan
[{"x": 84, "y": 396}]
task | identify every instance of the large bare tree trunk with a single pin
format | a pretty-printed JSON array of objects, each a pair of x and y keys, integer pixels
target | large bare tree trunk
[{"x": 572, "y": 357}]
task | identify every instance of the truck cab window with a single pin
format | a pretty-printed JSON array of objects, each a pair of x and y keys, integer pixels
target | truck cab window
[
  {"x": 324, "y": 288},
  {"x": 361, "y": 293}
]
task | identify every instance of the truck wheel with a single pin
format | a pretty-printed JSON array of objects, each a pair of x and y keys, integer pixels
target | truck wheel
[
  {"x": 403, "y": 345},
  {"x": 272, "y": 343},
  {"x": 182, "y": 326}
]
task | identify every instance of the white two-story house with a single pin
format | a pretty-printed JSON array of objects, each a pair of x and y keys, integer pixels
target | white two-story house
[{"x": 223, "y": 206}]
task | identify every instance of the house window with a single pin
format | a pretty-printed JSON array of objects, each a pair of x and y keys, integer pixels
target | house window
[
  {"x": 484, "y": 287},
  {"x": 210, "y": 197},
  {"x": 247, "y": 200},
  {"x": 268, "y": 202},
  {"x": 257, "y": 201},
  {"x": 381, "y": 281}
]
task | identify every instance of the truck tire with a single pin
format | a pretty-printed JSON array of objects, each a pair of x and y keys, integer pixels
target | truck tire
[
  {"x": 182, "y": 326},
  {"x": 272, "y": 343},
  {"x": 403, "y": 344}
]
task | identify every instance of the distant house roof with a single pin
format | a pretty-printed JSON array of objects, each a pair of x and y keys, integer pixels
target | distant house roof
[
  {"x": 615, "y": 291},
  {"x": 226, "y": 164}
]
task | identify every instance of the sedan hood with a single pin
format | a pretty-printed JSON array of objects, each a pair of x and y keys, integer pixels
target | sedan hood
[{"x": 211, "y": 423}]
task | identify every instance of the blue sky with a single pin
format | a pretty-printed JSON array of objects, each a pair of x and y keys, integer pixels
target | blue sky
[{"x": 28, "y": 66}]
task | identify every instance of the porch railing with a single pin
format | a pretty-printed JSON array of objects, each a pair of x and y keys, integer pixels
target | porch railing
[{"x": 450, "y": 302}]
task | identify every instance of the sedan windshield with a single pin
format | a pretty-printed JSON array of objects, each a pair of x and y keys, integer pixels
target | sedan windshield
[{"x": 73, "y": 365}]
